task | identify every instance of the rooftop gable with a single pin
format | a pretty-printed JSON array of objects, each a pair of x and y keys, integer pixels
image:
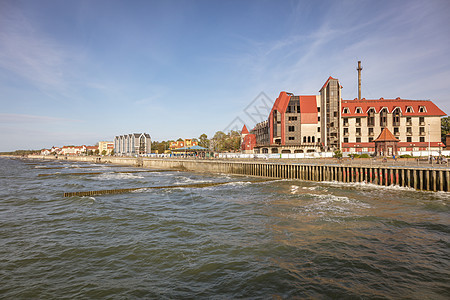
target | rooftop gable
[{"x": 386, "y": 136}]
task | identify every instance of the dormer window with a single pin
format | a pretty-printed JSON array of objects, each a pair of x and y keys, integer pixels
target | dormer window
[
  {"x": 358, "y": 110},
  {"x": 422, "y": 109},
  {"x": 346, "y": 110},
  {"x": 409, "y": 109}
]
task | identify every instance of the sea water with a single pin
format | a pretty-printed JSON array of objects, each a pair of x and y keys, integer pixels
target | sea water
[{"x": 279, "y": 239}]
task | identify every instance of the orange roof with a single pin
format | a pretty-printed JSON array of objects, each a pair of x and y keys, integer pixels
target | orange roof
[
  {"x": 281, "y": 103},
  {"x": 326, "y": 82},
  {"x": 412, "y": 106},
  {"x": 386, "y": 136},
  {"x": 244, "y": 130},
  {"x": 308, "y": 110}
]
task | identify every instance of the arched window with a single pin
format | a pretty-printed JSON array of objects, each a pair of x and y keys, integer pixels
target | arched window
[
  {"x": 358, "y": 110},
  {"x": 304, "y": 139},
  {"x": 396, "y": 116},
  {"x": 309, "y": 139},
  {"x": 346, "y": 110},
  {"x": 383, "y": 117},
  {"x": 371, "y": 117},
  {"x": 409, "y": 109},
  {"x": 312, "y": 139},
  {"x": 422, "y": 109}
]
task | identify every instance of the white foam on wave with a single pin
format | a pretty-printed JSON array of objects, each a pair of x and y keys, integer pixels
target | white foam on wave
[
  {"x": 188, "y": 180},
  {"x": 366, "y": 185},
  {"x": 118, "y": 176},
  {"x": 325, "y": 205}
]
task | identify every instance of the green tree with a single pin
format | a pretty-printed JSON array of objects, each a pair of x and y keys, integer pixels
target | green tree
[
  {"x": 203, "y": 141},
  {"x": 104, "y": 152}
]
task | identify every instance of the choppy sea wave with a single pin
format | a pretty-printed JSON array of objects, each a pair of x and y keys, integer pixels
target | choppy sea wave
[{"x": 281, "y": 239}]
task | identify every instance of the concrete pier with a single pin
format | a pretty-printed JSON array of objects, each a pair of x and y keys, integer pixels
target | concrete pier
[{"x": 419, "y": 178}]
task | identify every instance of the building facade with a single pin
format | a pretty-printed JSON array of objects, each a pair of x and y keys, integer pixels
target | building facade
[
  {"x": 132, "y": 144},
  {"x": 325, "y": 122},
  {"x": 105, "y": 148}
]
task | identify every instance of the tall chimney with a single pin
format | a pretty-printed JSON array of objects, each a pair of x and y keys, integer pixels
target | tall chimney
[{"x": 359, "y": 79}]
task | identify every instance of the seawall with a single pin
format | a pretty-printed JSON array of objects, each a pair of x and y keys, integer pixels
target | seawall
[{"x": 419, "y": 178}]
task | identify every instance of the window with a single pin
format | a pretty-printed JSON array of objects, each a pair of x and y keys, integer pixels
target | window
[
  {"x": 304, "y": 139},
  {"x": 409, "y": 109},
  {"x": 396, "y": 132},
  {"x": 358, "y": 131},
  {"x": 318, "y": 109},
  {"x": 345, "y": 122},
  {"x": 408, "y": 120},
  {"x": 309, "y": 139},
  {"x": 292, "y": 118},
  {"x": 370, "y": 139},
  {"x": 313, "y": 139},
  {"x": 318, "y": 129},
  {"x": 370, "y": 131},
  {"x": 358, "y": 140},
  {"x": 291, "y": 128},
  {"x": 345, "y": 140},
  {"x": 422, "y": 130},
  {"x": 371, "y": 117},
  {"x": 346, "y": 110},
  {"x": 422, "y": 120},
  {"x": 422, "y": 109},
  {"x": 318, "y": 118},
  {"x": 358, "y": 121},
  {"x": 335, "y": 114},
  {"x": 396, "y": 117},
  {"x": 383, "y": 117},
  {"x": 409, "y": 139},
  {"x": 291, "y": 138},
  {"x": 358, "y": 110},
  {"x": 422, "y": 139}
]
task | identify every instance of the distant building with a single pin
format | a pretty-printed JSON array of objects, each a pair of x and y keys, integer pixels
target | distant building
[
  {"x": 183, "y": 143},
  {"x": 91, "y": 148},
  {"x": 132, "y": 144},
  {"x": 73, "y": 150},
  {"x": 108, "y": 147}
]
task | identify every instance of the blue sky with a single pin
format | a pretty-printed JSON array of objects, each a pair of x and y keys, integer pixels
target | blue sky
[{"x": 77, "y": 72}]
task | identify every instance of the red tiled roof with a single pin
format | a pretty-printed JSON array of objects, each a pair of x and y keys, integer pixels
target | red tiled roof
[
  {"x": 390, "y": 104},
  {"x": 244, "y": 130},
  {"x": 386, "y": 136},
  {"x": 326, "y": 82},
  {"x": 281, "y": 103},
  {"x": 308, "y": 110}
]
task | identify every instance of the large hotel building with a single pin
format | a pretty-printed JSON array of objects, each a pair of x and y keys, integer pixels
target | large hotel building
[{"x": 325, "y": 122}]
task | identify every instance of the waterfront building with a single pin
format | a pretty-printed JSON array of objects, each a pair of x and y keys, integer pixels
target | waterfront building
[
  {"x": 132, "y": 144},
  {"x": 183, "y": 143},
  {"x": 73, "y": 150},
  {"x": 108, "y": 147},
  {"x": 325, "y": 122}
]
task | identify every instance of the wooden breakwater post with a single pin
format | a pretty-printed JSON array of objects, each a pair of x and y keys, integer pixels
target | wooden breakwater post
[
  {"x": 426, "y": 179},
  {"x": 419, "y": 178}
]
